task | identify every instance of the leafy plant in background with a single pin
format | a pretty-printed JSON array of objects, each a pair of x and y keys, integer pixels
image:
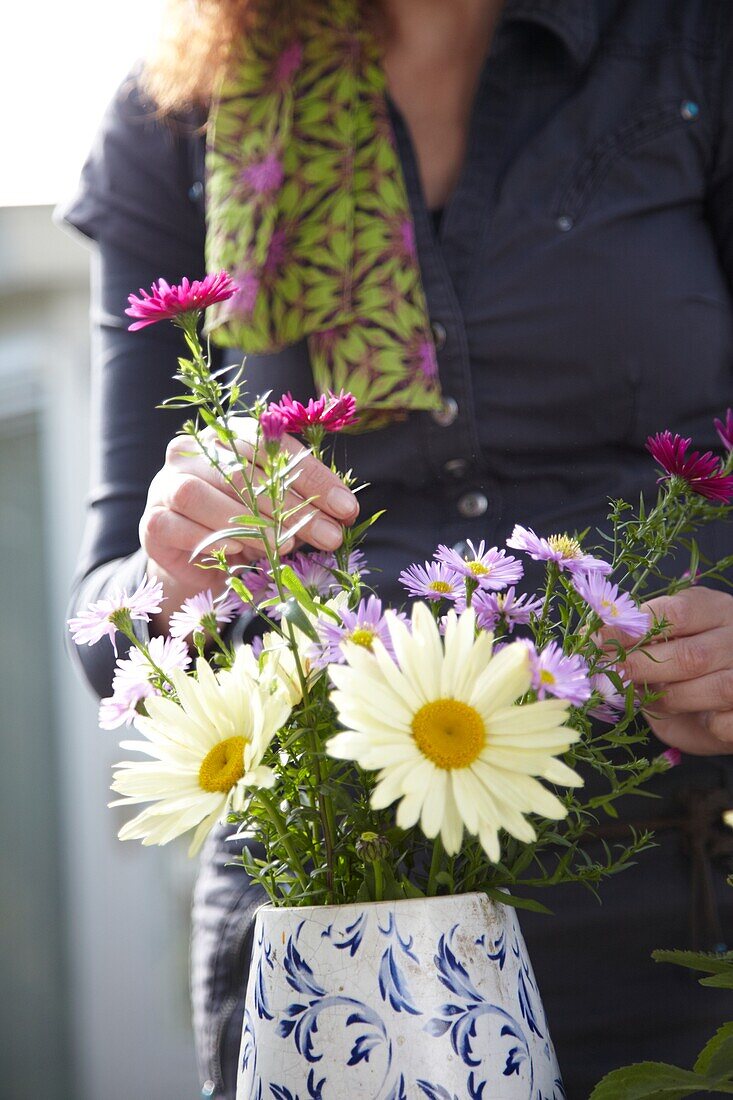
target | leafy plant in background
[
  {"x": 375, "y": 755},
  {"x": 713, "y": 1070}
]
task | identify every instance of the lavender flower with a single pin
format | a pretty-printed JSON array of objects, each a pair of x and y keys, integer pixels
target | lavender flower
[
  {"x": 564, "y": 550},
  {"x": 433, "y": 581},
  {"x": 203, "y": 613},
  {"x": 491, "y": 569},
  {"x": 613, "y": 702},
  {"x": 513, "y": 610},
  {"x": 105, "y": 617},
  {"x": 363, "y": 627},
  {"x": 613, "y": 607},
  {"x": 132, "y": 679},
  {"x": 555, "y": 673}
]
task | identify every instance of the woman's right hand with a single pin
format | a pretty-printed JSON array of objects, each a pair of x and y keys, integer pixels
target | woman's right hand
[{"x": 189, "y": 499}]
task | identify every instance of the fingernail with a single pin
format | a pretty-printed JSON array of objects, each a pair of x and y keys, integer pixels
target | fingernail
[
  {"x": 342, "y": 502},
  {"x": 326, "y": 533}
]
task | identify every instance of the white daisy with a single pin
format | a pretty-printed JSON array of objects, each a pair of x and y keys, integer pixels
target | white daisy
[
  {"x": 440, "y": 724},
  {"x": 207, "y": 749}
]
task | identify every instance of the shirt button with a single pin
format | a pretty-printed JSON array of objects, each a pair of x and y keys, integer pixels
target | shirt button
[
  {"x": 439, "y": 335},
  {"x": 471, "y": 505},
  {"x": 456, "y": 467},
  {"x": 195, "y": 194},
  {"x": 564, "y": 223},
  {"x": 689, "y": 110},
  {"x": 208, "y": 1089},
  {"x": 446, "y": 414}
]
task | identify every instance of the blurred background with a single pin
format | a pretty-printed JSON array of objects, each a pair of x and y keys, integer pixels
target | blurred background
[{"x": 93, "y": 933}]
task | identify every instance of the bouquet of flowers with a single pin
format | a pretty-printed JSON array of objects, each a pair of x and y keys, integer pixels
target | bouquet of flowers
[{"x": 377, "y": 753}]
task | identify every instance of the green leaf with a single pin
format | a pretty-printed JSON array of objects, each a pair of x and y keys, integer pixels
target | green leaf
[
  {"x": 293, "y": 613},
  {"x": 716, "y": 1057},
  {"x": 294, "y": 584},
  {"x": 707, "y": 962},
  {"x": 503, "y": 898},
  {"x": 649, "y": 1081}
]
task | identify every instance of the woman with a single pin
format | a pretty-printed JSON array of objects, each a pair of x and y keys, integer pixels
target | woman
[{"x": 568, "y": 173}]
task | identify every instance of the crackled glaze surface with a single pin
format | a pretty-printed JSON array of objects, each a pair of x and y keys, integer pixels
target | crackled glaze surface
[{"x": 412, "y": 1000}]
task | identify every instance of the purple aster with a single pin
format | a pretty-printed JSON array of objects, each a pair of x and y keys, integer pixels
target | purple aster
[
  {"x": 132, "y": 679},
  {"x": 433, "y": 581},
  {"x": 492, "y": 569},
  {"x": 203, "y": 612},
  {"x": 513, "y": 610},
  {"x": 564, "y": 550},
  {"x": 105, "y": 616},
  {"x": 361, "y": 627},
  {"x": 702, "y": 473},
  {"x": 613, "y": 607},
  {"x": 612, "y": 703},
  {"x": 314, "y": 569},
  {"x": 554, "y": 673},
  {"x": 724, "y": 428}
]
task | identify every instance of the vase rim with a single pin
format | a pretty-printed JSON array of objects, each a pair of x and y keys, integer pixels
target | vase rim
[{"x": 268, "y": 907}]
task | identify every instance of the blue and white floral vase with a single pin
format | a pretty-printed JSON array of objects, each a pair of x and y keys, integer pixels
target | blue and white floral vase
[{"x": 426, "y": 999}]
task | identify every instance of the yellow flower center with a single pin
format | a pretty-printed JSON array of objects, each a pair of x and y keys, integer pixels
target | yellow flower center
[
  {"x": 547, "y": 677},
  {"x": 610, "y": 607},
  {"x": 478, "y": 569},
  {"x": 449, "y": 733},
  {"x": 223, "y": 766},
  {"x": 565, "y": 545},
  {"x": 440, "y": 586},
  {"x": 363, "y": 636}
]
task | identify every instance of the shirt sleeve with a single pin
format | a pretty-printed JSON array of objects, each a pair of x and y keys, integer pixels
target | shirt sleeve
[{"x": 141, "y": 187}]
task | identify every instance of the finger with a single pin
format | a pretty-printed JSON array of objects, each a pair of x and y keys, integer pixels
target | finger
[
  {"x": 314, "y": 479},
  {"x": 199, "y": 500},
  {"x": 162, "y": 528},
  {"x": 720, "y": 726},
  {"x": 682, "y": 659},
  {"x": 693, "y": 733},
  {"x": 713, "y": 692},
  {"x": 692, "y": 611}
]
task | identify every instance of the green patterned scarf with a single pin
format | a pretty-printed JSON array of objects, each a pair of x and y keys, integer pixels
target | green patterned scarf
[{"x": 307, "y": 209}]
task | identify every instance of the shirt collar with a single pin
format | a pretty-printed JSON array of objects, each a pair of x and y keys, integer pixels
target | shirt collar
[{"x": 574, "y": 22}]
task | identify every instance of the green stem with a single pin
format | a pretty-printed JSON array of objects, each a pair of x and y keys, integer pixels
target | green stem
[
  {"x": 378, "y": 880},
  {"x": 277, "y": 819},
  {"x": 435, "y": 866}
]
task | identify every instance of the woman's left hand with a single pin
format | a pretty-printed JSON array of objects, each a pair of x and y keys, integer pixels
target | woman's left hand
[{"x": 692, "y": 662}]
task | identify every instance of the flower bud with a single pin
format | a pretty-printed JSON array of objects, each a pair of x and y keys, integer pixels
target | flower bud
[{"x": 371, "y": 847}]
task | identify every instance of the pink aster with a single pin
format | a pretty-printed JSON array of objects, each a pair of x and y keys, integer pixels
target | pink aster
[
  {"x": 165, "y": 303},
  {"x": 564, "y": 550},
  {"x": 329, "y": 412},
  {"x": 363, "y": 627},
  {"x": 204, "y": 613},
  {"x": 613, "y": 607},
  {"x": 264, "y": 175},
  {"x": 273, "y": 425},
  {"x": 554, "y": 673},
  {"x": 612, "y": 702},
  {"x": 491, "y": 569},
  {"x": 133, "y": 679},
  {"x": 724, "y": 428},
  {"x": 433, "y": 581},
  {"x": 104, "y": 617},
  {"x": 672, "y": 757},
  {"x": 494, "y": 607},
  {"x": 702, "y": 473}
]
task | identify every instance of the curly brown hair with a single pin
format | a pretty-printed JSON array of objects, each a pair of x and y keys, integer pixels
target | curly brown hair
[{"x": 198, "y": 38}]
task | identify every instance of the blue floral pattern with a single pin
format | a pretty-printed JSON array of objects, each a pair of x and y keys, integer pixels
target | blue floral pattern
[{"x": 430, "y": 998}]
